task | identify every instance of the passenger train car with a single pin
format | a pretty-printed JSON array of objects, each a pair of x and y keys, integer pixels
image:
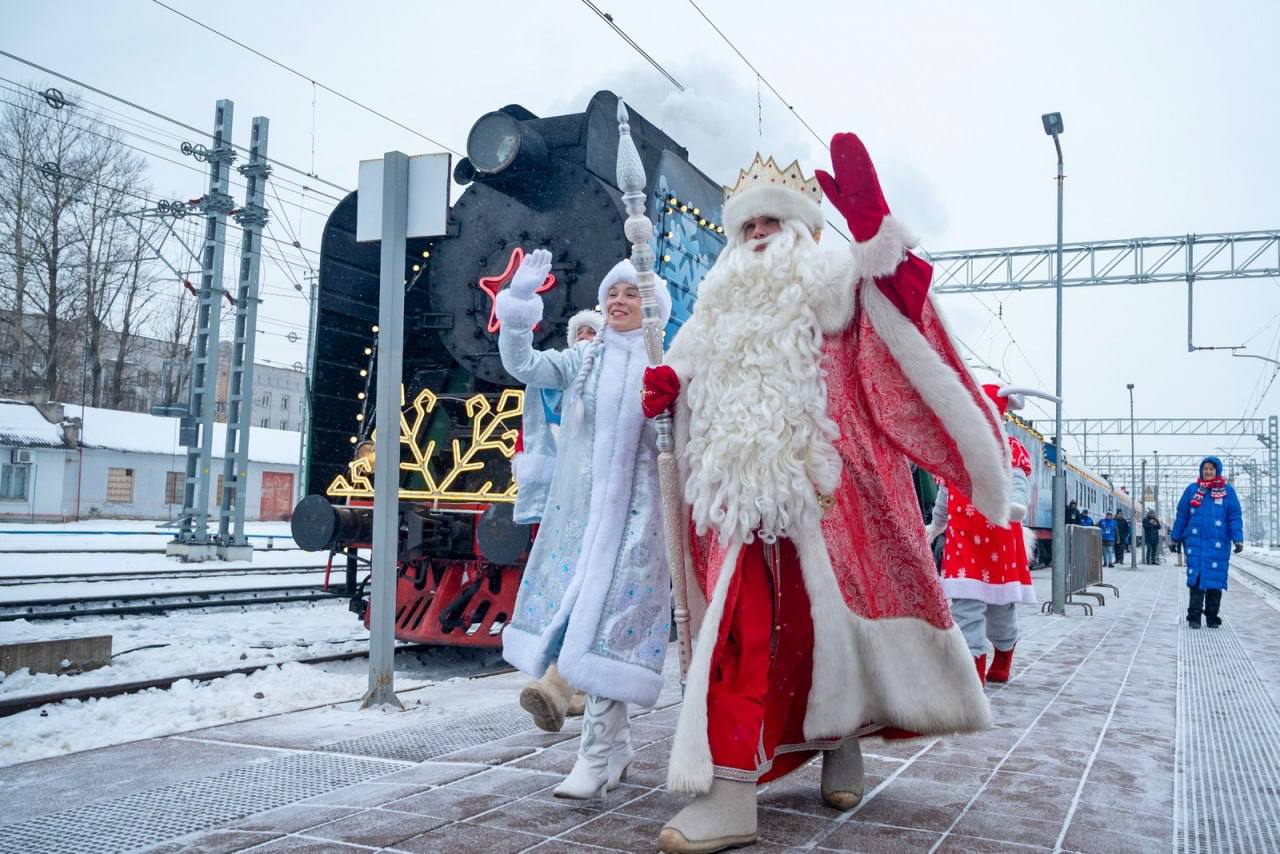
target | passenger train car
[{"x": 1088, "y": 489}]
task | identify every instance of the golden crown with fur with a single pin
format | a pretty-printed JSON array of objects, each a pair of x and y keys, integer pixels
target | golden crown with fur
[{"x": 763, "y": 172}]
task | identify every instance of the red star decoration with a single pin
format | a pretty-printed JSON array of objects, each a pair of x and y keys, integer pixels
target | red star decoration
[{"x": 490, "y": 285}]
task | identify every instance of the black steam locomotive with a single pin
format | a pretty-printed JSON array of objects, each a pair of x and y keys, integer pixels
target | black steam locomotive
[{"x": 530, "y": 183}]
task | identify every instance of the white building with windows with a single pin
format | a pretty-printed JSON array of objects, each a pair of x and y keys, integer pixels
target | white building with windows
[
  {"x": 73, "y": 462},
  {"x": 277, "y": 393}
]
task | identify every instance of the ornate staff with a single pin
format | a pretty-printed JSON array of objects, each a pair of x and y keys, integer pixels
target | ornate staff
[{"x": 639, "y": 231}]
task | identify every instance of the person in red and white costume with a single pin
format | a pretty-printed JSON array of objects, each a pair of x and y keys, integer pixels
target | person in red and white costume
[
  {"x": 985, "y": 572},
  {"x": 801, "y": 386}
]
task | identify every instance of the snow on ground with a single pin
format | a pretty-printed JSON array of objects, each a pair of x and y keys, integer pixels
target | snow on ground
[
  {"x": 189, "y": 642},
  {"x": 1263, "y": 555},
  {"x": 73, "y": 726},
  {"x": 93, "y": 562},
  {"x": 109, "y": 534},
  {"x": 16, "y": 594}
]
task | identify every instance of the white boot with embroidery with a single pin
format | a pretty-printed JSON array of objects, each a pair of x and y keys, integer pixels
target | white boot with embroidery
[{"x": 604, "y": 752}]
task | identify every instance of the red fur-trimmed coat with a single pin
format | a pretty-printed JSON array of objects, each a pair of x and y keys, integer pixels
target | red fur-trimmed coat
[{"x": 885, "y": 648}]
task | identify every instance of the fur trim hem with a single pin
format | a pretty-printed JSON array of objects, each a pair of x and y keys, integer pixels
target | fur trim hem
[
  {"x": 878, "y": 670},
  {"x": 690, "y": 769},
  {"x": 530, "y": 468},
  {"x": 630, "y": 683},
  {"x": 518, "y": 313},
  {"x": 986, "y": 458},
  {"x": 524, "y": 651},
  {"x": 881, "y": 255},
  {"x": 770, "y": 201},
  {"x": 992, "y": 594}
]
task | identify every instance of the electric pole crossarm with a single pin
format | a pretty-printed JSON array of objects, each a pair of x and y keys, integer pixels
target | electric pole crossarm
[{"x": 1139, "y": 260}]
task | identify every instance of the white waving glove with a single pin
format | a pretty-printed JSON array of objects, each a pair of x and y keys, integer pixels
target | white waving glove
[
  {"x": 931, "y": 532},
  {"x": 531, "y": 274},
  {"x": 1017, "y": 512}
]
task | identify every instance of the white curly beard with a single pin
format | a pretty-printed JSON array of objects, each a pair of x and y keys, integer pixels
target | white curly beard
[{"x": 760, "y": 440}]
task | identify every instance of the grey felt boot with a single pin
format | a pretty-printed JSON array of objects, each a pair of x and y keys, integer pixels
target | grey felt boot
[
  {"x": 842, "y": 779},
  {"x": 724, "y": 817},
  {"x": 547, "y": 700}
]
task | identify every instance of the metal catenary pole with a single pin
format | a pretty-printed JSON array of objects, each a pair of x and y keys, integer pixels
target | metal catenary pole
[
  {"x": 192, "y": 542},
  {"x": 232, "y": 544},
  {"x": 1060, "y": 461},
  {"x": 304, "y": 447},
  {"x": 1273, "y": 488},
  {"x": 1133, "y": 477},
  {"x": 386, "y": 468}
]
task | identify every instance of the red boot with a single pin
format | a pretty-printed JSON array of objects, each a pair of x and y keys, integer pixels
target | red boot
[
  {"x": 1000, "y": 665},
  {"x": 980, "y": 662}
]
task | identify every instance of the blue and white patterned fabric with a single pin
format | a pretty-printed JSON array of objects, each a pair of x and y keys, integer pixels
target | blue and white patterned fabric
[
  {"x": 595, "y": 594},
  {"x": 1207, "y": 533}
]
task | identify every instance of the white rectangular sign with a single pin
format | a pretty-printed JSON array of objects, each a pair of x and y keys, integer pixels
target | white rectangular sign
[{"x": 428, "y": 197}]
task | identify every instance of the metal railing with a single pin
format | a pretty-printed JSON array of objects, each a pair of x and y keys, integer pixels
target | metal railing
[{"x": 1084, "y": 567}]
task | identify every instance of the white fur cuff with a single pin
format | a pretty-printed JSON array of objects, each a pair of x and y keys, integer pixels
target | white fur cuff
[
  {"x": 516, "y": 313},
  {"x": 882, "y": 254}
]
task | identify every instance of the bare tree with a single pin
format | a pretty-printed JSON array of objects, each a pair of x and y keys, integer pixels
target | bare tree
[
  {"x": 17, "y": 176},
  {"x": 109, "y": 245},
  {"x": 80, "y": 290}
]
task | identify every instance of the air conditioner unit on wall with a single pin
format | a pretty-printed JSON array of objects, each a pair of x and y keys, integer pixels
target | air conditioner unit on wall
[{"x": 22, "y": 456}]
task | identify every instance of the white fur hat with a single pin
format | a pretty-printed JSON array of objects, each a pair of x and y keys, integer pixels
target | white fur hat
[
  {"x": 623, "y": 271},
  {"x": 770, "y": 200},
  {"x": 586, "y": 317}
]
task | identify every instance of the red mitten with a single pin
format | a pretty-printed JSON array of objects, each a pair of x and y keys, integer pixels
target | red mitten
[
  {"x": 908, "y": 286},
  {"x": 855, "y": 189},
  {"x": 661, "y": 385}
]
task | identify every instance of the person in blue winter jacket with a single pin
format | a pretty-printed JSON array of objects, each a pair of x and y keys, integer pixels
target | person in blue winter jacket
[
  {"x": 1207, "y": 526},
  {"x": 1108, "y": 526},
  {"x": 1085, "y": 519}
]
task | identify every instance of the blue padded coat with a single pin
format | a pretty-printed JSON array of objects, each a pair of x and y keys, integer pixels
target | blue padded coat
[{"x": 1207, "y": 532}]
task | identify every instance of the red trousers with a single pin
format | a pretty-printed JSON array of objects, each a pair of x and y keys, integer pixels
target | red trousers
[{"x": 762, "y": 668}]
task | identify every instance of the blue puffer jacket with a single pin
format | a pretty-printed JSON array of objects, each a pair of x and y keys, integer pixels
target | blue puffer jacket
[
  {"x": 1207, "y": 532},
  {"x": 1108, "y": 527}
]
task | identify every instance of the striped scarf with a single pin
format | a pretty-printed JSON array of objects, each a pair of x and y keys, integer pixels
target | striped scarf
[{"x": 1217, "y": 487}]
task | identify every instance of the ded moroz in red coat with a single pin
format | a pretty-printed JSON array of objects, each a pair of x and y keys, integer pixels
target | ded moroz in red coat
[{"x": 885, "y": 650}]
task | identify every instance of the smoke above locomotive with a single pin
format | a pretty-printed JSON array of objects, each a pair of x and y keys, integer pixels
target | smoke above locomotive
[{"x": 531, "y": 183}]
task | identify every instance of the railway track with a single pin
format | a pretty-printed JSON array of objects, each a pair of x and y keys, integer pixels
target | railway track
[
  {"x": 156, "y": 603},
  {"x": 1265, "y": 577},
  {"x": 159, "y": 574},
  {"x": 21, "y": 704}
]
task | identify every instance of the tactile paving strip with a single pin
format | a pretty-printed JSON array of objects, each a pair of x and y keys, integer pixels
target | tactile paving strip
[
  {"x": 145, "y": 818},
  {"x": 420, "y": 743},
  {"x": 1228, "y": 748}
]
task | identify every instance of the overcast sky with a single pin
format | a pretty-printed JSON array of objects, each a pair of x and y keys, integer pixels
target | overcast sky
[{"x": 1170, "y": 112}]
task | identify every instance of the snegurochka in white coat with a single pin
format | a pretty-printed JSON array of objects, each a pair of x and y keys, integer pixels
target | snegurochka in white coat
[{"x": 595, "y": 596}]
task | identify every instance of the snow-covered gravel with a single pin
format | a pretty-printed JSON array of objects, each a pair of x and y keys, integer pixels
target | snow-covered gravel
[
  {"x": 190, "y": 642},
  {"x": 186, "y": 642},
  {"x": 73, "y": 726}
]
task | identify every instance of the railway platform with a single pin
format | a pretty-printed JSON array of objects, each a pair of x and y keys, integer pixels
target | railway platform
[{"x": 1121, "y": 731}]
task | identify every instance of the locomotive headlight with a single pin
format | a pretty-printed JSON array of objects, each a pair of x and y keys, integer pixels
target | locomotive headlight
[{"x": 499, "y": 143}]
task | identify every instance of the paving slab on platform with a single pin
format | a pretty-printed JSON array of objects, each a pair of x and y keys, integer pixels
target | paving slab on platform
[{"x": 1099, "y": 744}]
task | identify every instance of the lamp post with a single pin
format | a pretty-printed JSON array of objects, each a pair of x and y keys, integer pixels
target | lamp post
[
  {"x": 1157, "y": 475},
  {"x": 1053, "y": 127},
  {"x": 1133, "y": 480}
]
